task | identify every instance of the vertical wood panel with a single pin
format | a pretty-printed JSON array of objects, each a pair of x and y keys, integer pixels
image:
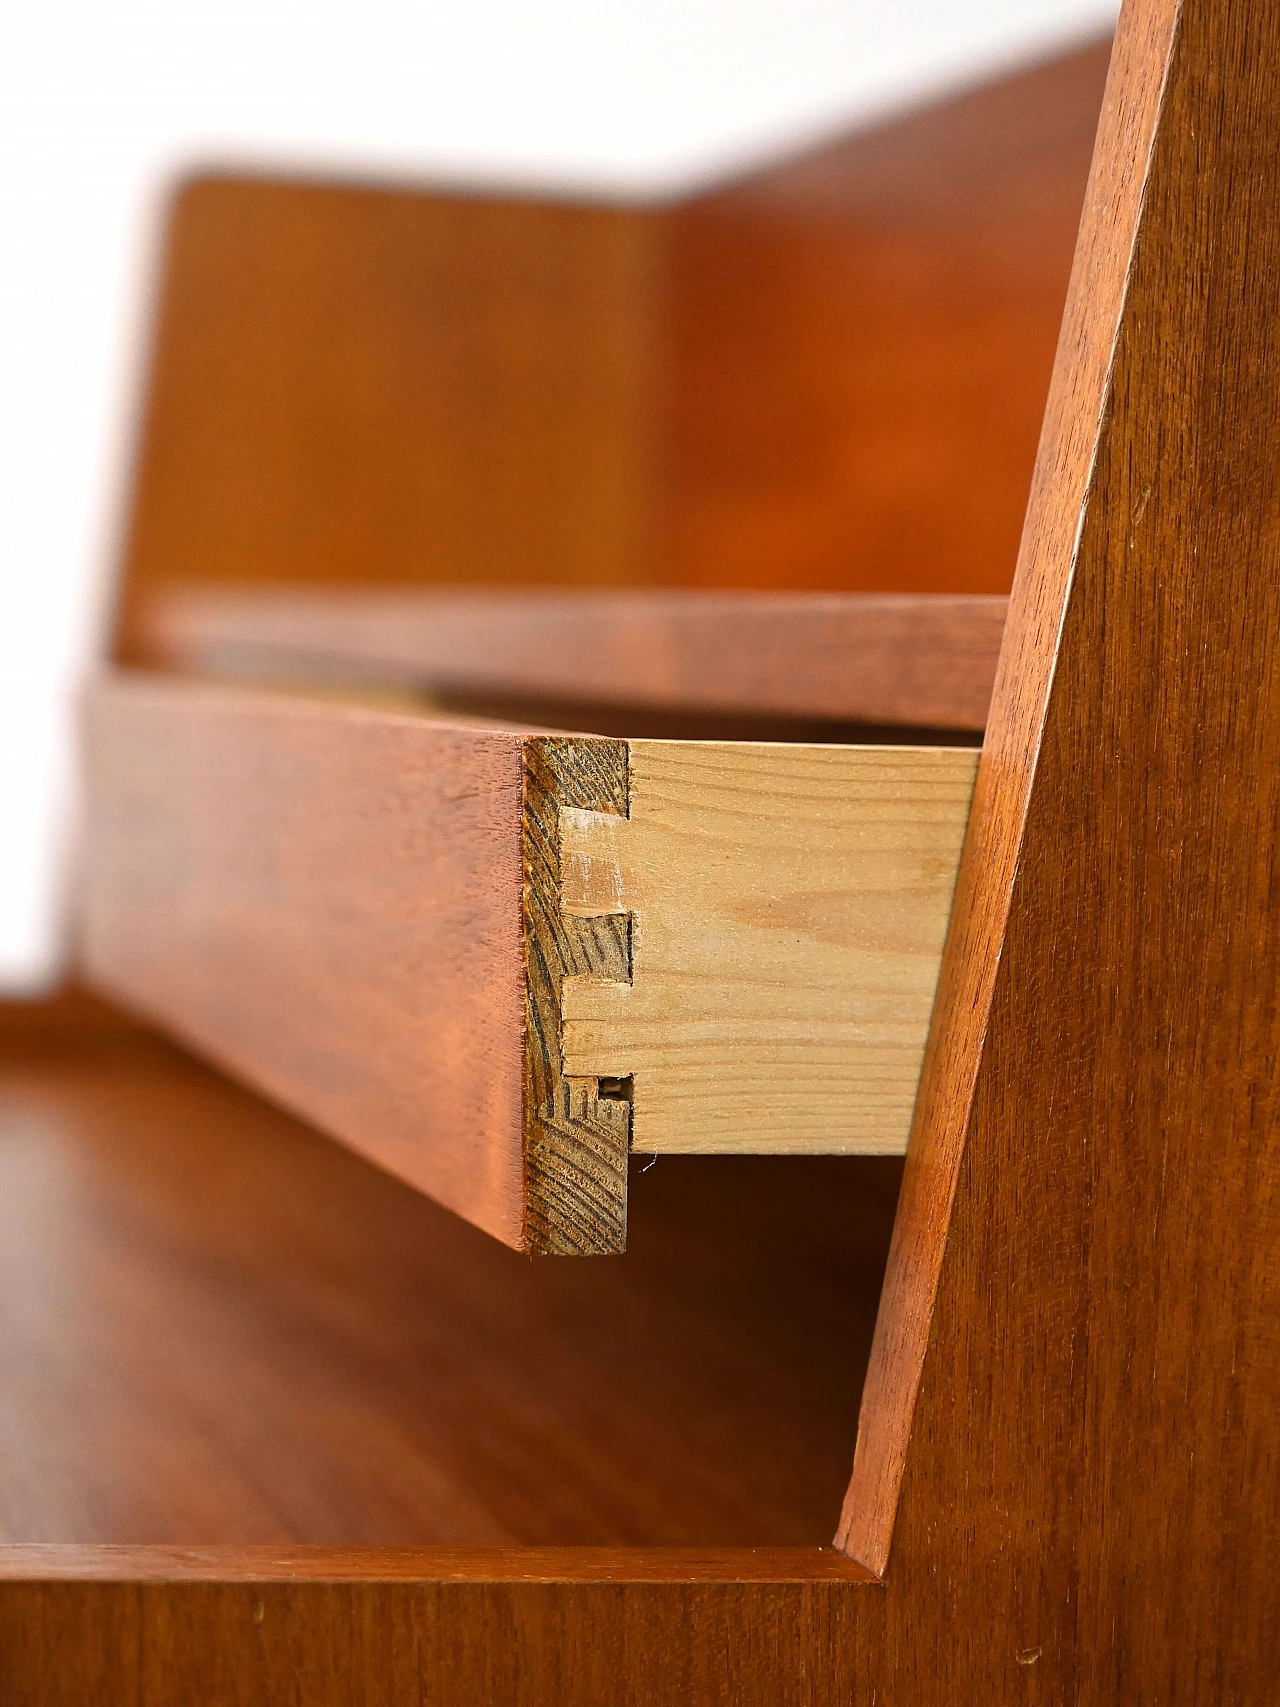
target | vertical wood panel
[
  {"x": 1065, "y": 469},
  {"x": 862, "y": 339},
  {"x": 328, "y": 901},
  {"x": 353, "y": 384},
  {"x": 1094, "y": 1442}
]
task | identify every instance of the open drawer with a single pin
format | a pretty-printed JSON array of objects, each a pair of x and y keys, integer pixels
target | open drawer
[
  {"x": 496, "y": 959},
  {"x": 276, "y": 1423}
]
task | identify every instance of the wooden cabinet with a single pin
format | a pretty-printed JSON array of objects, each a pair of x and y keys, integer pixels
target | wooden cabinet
[{"x": 281, "y": 1428}]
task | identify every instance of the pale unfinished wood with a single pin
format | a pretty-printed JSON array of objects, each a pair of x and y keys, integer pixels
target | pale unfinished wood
[{"x": 788, "y": 906}]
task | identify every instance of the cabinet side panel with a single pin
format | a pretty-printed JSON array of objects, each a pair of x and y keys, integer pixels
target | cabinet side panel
[
  {"x": 989, "y": 866},
  {"x": 1094, "y": 1447}
]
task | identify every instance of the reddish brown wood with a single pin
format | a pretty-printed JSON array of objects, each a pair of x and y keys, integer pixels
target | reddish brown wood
[
  {"x": 1082, "y": 1421},
  {"x": 328, "y": 1644},
  {"x": 827, "y": 375},
  {"x": 221, "y": 1330},
  {"x": 353, "y": 382},
  {"x": 45, "y": 1024},
  {"x": 246, "y": 1336},
  {"x": 861, "y": 342},
  {"x": 42, "y": 1562},
  {"x": 852, "y": 658},
  {"x": 1078, "y": 406},
  {"x": 360, "y": 909},
  {"x": 332, "y": 904},
  {"x": 1085, "y": 1284}
]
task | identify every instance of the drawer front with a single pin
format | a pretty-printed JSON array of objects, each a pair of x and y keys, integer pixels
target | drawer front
[{"x": 327, "y": 902}]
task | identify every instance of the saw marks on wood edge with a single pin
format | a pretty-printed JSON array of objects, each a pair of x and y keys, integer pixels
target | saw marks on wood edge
[{"x": 575, "y": 1139}]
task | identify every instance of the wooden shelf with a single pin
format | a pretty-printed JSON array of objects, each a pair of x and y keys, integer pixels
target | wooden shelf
[
  {"x": 223, "y": 1331},
  {"x": 498, "y": 961},
  {"x": 875, "y": 659}
]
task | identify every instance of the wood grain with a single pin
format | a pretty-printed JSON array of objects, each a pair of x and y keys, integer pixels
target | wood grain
[
  {"x": 1072, "y": 1399},
  {"x": 576, "y": 1140},
  {"x": 828, "y": 374},
  {"x": 367, "y": 913},
  {"x": 113, "y": 1563},
  {"x": 787, "y": 911},
  {"x": 1076, "y": 1363},
  {"x": 326, "y": 899},
  {"x": 1075, "y": 417},
  {"x": 867, "y": 658},
  {"x": 576, "y": 1644},
  {"x": 230, "y": 1339},
  {"x": 349, "y": 381}
]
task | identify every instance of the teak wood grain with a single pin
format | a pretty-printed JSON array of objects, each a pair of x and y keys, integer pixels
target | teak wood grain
[
  {"x": 328, "y": 899},
  {"x": 391, "y": 924},
  {"x": 893, "y": 659},
  {"x": 787, "y": 909},
  {"x": 226, "y": 1337},
  {"x": 1072, "y": 1396},
  {"x": 826, "y": 374},
  {"x": 1069, "y": 1429}
]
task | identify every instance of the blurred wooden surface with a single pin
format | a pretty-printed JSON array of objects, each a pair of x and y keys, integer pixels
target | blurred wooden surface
[
  {"x": 864, "y": 659},
  {"x": 860, "y": 343},
  {"x": 827, "y": 375}
]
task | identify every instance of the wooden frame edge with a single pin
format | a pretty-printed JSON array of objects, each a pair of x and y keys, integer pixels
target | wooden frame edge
[
  {"x": 34, "y": 1562},
  {"x": 1076, "y": 416}
]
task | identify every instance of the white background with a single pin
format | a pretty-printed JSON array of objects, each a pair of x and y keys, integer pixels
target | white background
[{"x": 103, "y": 101}]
